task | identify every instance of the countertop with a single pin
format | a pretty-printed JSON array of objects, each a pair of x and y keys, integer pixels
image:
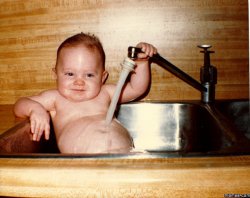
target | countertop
[
  {"x": 131, "y": 177},
  {"x": 137, "y": 176}
]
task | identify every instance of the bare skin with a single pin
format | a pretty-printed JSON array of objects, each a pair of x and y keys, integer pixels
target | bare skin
[{"x": 79, "y": 104}]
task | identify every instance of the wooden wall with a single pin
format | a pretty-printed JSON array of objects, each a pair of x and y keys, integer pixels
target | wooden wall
[{"x": 30, "y": 32}]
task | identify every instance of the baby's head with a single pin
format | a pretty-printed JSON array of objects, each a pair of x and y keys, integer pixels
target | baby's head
[
  {"x": 90, "y": 41},
  {"x": 80, "y": 67}
]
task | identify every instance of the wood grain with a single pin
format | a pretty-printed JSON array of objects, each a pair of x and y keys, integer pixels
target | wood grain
[
  {"x": 30, "y": 32},
  {"x": 7, "y": 118},
  {"x": 129, "y": 177}
]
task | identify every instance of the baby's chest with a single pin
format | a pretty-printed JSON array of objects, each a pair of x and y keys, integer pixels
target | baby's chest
[{"x": 81, "y": 109}]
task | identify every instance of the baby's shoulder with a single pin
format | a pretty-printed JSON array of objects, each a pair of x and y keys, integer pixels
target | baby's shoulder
[
  {"x": 109, "y": 89},
  {"x": 46, "y": 98},
  {"x": 52, "y": 93}
]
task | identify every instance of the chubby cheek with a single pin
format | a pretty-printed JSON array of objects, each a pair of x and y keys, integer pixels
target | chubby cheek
[
  {"x": 63, "y": 86},
  {"x": 63, "y": 90},
  {"x": 96, "y": 89},
  {"x": 63, "y": 82}
]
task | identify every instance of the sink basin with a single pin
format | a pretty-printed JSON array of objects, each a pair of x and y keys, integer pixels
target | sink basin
[
  {"x": 189, "y": 127},
  {"x": 162, "y": 128},
  {"x": 237, "y": 112}
]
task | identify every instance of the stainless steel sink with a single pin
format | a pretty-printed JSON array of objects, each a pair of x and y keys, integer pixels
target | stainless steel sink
[
  {"x": 171, "y": 127},
  {"x": 237, "y": 112},
  {"x": 188, "y": 127},
  {"x": 162, "y": 129}
]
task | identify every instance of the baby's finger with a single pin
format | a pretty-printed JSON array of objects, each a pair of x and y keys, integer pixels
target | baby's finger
[
  {"x": 142, "y": 56},
  {"x": 153, "y": 51},
  {"x": 34, "y": 137},
  {"x": 150, "y": 50},
  {"x": 147, "y": 49},
  {"x": 40, "y": 130},
  {"x": 34, "y": 129},
  {"x": 140, "y": 45},
  {"x": 47, "y": 132},
  {"x": 32, "y": 126},
  {"x": 39, "y": 135}
]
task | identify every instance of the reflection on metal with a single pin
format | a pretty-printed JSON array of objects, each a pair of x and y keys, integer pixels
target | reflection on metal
[
  {"x": 149, "y": 128},
  {"x": 178, "y": 127},
  {"x": 177, "y": 137},
  {"x": 156, "y": 126}
]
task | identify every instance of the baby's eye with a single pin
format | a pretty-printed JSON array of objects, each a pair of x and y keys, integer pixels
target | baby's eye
[
  {"x": 69, "y": 74},
  {"x": 90, "y": 75}
]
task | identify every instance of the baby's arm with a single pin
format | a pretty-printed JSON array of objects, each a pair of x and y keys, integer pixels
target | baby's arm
[
  {"x": 140, "y": 78},
  {"x": 36, "y": 109}
]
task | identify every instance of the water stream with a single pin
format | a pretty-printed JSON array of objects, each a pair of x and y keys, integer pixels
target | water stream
[{"x": 127, "y": 67}]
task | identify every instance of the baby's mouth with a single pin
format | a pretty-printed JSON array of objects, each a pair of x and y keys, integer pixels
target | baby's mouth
[{"x": 78, "y": 90}]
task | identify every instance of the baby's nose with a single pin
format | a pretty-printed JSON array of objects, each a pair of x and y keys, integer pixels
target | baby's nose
[{"x": 79, "y": 81}]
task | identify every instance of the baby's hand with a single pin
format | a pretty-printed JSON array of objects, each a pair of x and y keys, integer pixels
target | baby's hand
[
  {"x": 148, "y": 50},
  {"x": 40, "y": 122}
]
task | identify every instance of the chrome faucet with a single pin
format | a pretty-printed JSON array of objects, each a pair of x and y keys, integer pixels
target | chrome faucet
[{"x": 208, "y": 73}]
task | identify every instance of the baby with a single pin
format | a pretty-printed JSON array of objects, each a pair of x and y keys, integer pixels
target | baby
[{"x": 79, "y": 105}]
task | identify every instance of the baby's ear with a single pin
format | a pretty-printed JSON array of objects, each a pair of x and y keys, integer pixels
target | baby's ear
[
  {"x": 105, "y": 75},
  {"x": 54, "y": 75}
]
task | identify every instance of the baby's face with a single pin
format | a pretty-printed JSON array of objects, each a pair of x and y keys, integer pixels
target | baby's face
[{"x": 80, "y": 74}]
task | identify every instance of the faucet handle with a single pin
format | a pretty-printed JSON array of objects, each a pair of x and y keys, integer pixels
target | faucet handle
[
  {"x": 205, "y": 47},
  {"x": 208, "y": 72}
]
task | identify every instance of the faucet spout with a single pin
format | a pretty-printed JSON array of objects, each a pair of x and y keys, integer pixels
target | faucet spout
[
  {"x": 156, "y": 58},
  {"x": 177, "y": 72},
  {"x": 208, "y": 72}
]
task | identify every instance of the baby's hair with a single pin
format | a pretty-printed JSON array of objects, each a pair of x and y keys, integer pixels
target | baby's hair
[{"x": 88, "y": 40}]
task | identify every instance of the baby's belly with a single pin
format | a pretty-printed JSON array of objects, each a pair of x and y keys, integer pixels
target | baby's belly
[{"x": 91, "y": 135}]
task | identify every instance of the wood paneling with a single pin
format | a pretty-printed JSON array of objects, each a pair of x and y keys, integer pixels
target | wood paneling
[
  {"x": 7, "y": 119},
  {"x": 30, "y": 32}
]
